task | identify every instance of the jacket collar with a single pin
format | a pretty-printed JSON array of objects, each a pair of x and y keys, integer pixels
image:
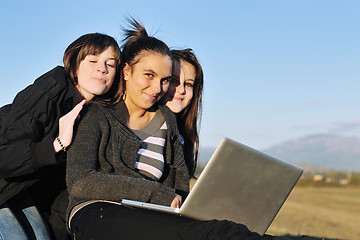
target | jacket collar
[
  {"x": 121, "y": 113},
  {"x": 66, "y": 83}
]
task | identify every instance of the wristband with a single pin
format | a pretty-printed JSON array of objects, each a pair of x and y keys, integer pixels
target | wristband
[{"x": 61, "y": 145}]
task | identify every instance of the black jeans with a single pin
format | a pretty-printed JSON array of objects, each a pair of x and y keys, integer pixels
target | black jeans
[{"x": 110, "y": 221}]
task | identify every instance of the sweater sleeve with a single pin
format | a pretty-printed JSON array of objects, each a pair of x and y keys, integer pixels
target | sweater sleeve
[
  {"x": 24, "y": 144},
  {"x": 87, "y": 177}
]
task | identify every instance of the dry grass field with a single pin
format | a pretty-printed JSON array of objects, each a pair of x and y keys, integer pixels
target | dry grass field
[
  {"x": 324, "y": 213},
  {"x": 321, "y": 212}
]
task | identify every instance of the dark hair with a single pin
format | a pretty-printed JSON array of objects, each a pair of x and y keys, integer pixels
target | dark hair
[
  {"x": 189, "y": 118},
  {"x": 136, "y": 41},
  {"x": 91, "y": 44}
]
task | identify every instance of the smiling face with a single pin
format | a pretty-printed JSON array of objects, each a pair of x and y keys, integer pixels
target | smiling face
[
  {"x": 96, "y": 73},
  {"x": 147, "y": 80},
  {"x": 181, "y": 91}
]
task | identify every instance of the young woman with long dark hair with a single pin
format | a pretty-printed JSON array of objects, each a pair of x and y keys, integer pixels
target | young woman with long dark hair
[{"x": 184, "y": 98}]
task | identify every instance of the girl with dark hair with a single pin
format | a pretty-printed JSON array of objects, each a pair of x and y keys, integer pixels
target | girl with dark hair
[
  {"x": 37, "y": 128},
  {"x": 184, "y": 98},
  {"x": 131, "y": 149}
]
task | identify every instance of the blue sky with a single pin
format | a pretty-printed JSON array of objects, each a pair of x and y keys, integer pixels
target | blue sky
[{"x": 274, "y": 70}]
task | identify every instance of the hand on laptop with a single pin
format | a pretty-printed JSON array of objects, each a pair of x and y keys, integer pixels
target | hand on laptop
[{"x": 176, "y": 203}]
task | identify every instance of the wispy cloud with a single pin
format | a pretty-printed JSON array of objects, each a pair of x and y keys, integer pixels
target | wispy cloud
[
  {"x": 345, "y": 127},
  {"x": 314, "y": 126},
  {"x": 341, "y": 128}
]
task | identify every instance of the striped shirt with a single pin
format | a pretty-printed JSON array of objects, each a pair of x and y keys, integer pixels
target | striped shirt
[{"x": 150, "y": 157}]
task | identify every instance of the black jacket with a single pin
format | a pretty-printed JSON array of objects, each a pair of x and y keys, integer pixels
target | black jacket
[{"x": 28, "y": 128}]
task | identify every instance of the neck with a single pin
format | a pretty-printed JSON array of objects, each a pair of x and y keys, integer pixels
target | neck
[
  {"x": 77, "y": 97},
  {"x": 139, "y": 118},
  {"x": 83, "y": 94}
]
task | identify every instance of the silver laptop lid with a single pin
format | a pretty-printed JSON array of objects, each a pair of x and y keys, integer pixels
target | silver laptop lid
[{"x": 243, "y": 185}]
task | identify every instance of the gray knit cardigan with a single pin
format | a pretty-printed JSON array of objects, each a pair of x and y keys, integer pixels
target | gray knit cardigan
[{"x": 101, "y": 160}]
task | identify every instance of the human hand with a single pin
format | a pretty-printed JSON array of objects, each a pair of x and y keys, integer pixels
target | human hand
[
  {"x": 66, "y": 127},
  {"x": 176, "y": 203}
]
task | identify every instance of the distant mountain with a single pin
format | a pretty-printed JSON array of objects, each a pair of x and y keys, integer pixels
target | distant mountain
[
  {"x": 205, "y": 154},
  {"x": 315, "y": 151},
  {"x": 332, "y": 151}
]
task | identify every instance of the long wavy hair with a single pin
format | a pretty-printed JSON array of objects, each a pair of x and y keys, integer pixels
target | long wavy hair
[{"x": 189, "y": 118}]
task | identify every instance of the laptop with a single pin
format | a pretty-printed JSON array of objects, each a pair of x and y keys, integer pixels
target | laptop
[{"x": 239, "y": 184}]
